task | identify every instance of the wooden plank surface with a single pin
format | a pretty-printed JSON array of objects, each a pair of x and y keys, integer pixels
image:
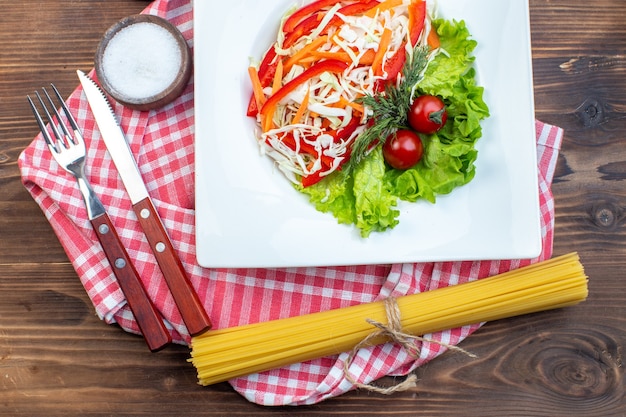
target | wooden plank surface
[{"x": 58, "y": 358}]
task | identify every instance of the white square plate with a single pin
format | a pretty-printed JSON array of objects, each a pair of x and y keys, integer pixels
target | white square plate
[{"x": 248, "y": 214}]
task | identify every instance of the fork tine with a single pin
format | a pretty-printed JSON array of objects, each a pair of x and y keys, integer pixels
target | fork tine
[
  {"x": 59, "y": 137},
  {"x": 41, "y": 123},
  {"x": 67, "y": 112},
  {"x": 66, "y": 135}
]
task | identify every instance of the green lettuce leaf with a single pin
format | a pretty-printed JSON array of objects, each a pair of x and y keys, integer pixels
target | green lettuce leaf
[
  {"x": 361, "y": 199},
  {"x": 449, "y": 155},
  {"x": 333, "y": 195},
  {"x": 444, "y": 71},
  {"x": 368, "y": 198},
  {"x": 374, "y": 202}
]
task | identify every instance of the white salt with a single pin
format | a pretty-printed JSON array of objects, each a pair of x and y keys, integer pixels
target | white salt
[{"x": 141, "y": 60}]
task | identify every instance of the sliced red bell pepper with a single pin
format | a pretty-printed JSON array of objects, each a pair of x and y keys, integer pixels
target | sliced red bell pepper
[
  {"x": 253, "y": 108},
  {"x": 359, "y": 7},
  {"x": 268, "y": 65},
  {"x": 314, "y": 177},
  {"x": 267, "y": 69},
  {"x": 341, "y": 134},
  {"x": 308, "y": 24},
  {"x": 311, "y": 179},
  {"x": 345, "y": 132},
  {"x": 305, "y": 11},
  {"x": 352, "y": 10},
  {"x": 307, "y": 148},
  {"x": 303, "y": 28},
  {"x": 417, "y": 15},
  {"x": 393, "y": 67},
  {"x": 330, "y": 65}
]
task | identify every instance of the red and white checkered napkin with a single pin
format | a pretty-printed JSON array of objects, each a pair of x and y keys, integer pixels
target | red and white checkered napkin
[{"x": 162, "y": 142}]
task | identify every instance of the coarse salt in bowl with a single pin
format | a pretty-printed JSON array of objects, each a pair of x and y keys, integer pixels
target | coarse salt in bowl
[{"x": 143, "y": 62}]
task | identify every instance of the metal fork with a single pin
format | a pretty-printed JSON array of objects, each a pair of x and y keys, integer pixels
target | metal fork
[{"x": 68, "y": 149}]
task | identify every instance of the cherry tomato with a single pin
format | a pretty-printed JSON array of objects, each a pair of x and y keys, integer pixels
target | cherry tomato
[
  {"x": 428, "y": 114},
  {"x": 403, "y": 149}
]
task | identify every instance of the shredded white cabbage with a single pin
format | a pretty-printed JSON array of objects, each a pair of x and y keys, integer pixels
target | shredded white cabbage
[{"x": 306, "y": 141}]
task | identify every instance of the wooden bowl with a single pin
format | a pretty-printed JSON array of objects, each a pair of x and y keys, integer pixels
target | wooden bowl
[{"x": 143, "y": 62}]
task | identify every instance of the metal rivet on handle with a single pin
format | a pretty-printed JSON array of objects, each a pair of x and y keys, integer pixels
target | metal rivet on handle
[
  {"x": 120, "y": 263},
  {"x": 104, "y": 229},
  {"x": 160, "y": 247},
  {"x": 145, "y": 213}
]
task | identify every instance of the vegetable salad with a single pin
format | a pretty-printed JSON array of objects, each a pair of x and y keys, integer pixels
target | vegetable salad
[{"x": 339, "y": 82}]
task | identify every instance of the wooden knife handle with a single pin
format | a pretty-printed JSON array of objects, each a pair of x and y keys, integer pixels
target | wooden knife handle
[
  {"x": 148, "y": 317},
  {"x": 191, "y": 309}
]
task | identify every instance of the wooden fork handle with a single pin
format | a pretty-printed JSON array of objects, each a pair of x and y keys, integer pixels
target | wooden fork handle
[
  {"x": 189, "y": 305},
  {"x": 148, "y": 317}
]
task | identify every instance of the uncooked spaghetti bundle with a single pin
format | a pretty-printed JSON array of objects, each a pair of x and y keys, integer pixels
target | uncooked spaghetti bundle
[{"x": 223, "y": 354}]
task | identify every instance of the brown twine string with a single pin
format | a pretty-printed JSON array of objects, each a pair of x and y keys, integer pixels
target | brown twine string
[{"x": 393, "y": 331}]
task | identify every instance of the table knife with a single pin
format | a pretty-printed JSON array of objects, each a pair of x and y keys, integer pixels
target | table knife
[{"x": 191, "y": 309}]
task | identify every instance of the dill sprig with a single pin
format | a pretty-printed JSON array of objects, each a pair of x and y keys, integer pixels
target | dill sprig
[{"x": 389, "y": 108}]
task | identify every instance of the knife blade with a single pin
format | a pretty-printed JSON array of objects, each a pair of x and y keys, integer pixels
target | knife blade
[{"x": 189, "y": 305}]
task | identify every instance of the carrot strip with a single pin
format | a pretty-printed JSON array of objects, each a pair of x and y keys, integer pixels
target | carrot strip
[
  {"x": 307, "y": 61},
  {"x": 385, "y": 39},
  {"x": 265, "y": 74},
  {"x": 268, "y": 109},
  {"x": 385, "y": 5},
  {"x": 366, "y": 59},
  {"x": 257, "y": 88},
  {"x": 345, "y": 103},
  {"x": 267, "y": 123},
  {"x": 278, "y": 77},
  {"x": 303, "y": 53},
  {"x": 341, "y": 56},
  {"x": 433, "y": 39},
  {"x": 302, "y": 109}
]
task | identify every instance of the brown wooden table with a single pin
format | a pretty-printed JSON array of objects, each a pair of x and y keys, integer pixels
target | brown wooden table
[{"x": 58, "y": 358}]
